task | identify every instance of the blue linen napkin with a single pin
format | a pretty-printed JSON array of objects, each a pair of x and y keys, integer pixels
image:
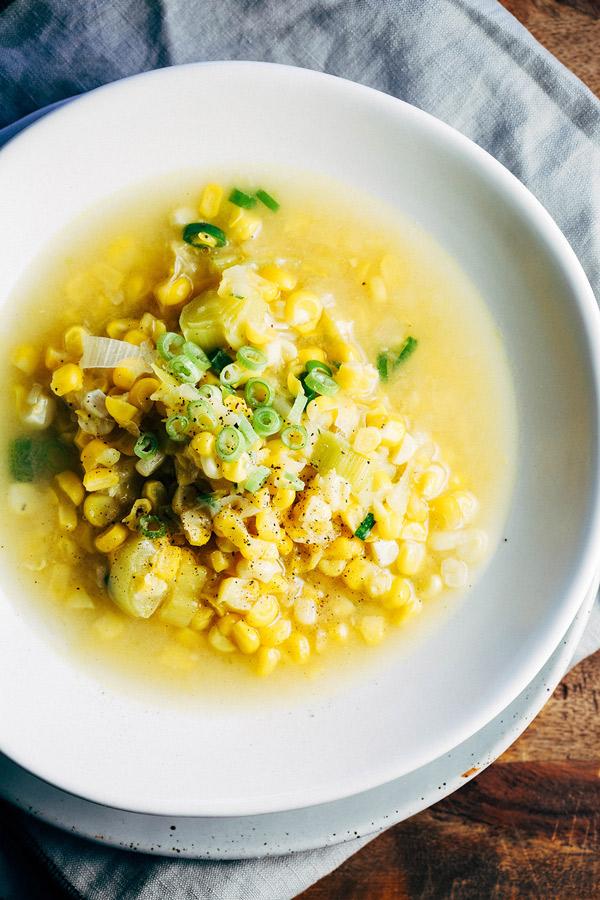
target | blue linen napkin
[{"x": 467, "y": 62}]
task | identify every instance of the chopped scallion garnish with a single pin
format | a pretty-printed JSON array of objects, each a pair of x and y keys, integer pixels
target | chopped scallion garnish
[
  {"x": 268, "y": 201},
  {"x": 251, "y": 358},
  {"x": 256, "y": 479},
  {"x": 321, "y": 383},
  {"x": 184, "y": 369},
  {"x": 231, "y": 375},
  {"x": 388, "y": 360},
  {"x": 294, "y": 481},
  {"x": 294, "y": 436},
  {"x": 169, "y": 345},
  {"x": 197, "y": 355},
  {"x": 204, "y": 234},
  {"x": 239, "y": 198},
  {"x": 230, "y": 444},
  {"x": 152, "y": 527},
  {"x": 266, "y": 421},
  {"x": 317, "y": 364},
  {"x": 250, "y": 435},
  {"x": 258, "y": 392},
  {"x": 218, "y": 360},
  {"x": 366, "y": 526},
  {"x": 202, "y": 414},
  {"x": 146, "y": 445},
  {"x": 297, "y": 409},
  {"x": 176, "y": 427}
]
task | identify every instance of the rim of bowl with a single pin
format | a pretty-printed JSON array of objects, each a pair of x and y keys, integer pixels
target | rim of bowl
[{"x": 540, "y": 221}]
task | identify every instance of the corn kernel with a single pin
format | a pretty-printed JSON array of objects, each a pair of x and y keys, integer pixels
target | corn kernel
[
  {"x": 305, "y": 611},
  {"x": 431, "y": 587},
  {"x": 210, "y": 201},
  {"x": 246, "y": 637},
  {"x": 202, "y": 618},
  {"x": 285, "y": 545},
  {"x": 393, "y": 432},
  {"x": 122, "y": 412},
  {"x": 389, "y": 525},
  {"x": 238, "y": 594},
  {"x": 174, "y": 292},
  {"x": 294, "y": 385},
  {"x": 244, "y": 226},
  {"x": 298, "y": 647},
  {"x": 411, "y": 557},
  {"x": 156, "y": 493},
  {"x": 283, "y": 498},
  {"x": 456, "y": 509},
  {"x": 100, "y": 510},
  {"x": 116, "y": 328},
  {"x": 264, "y": 612},
  {"x": 401, "y": 614},
  {"x": 135, "y": 336},
  {"x": 377, "y": 417},
  {"x": 219, "y": 561},
  {"x": 54, "y": 358},
  {"x": 303, "y": 310},
  {"x": 455, "y": 573},
  {"x": 267, "y": 660},
  {"x": 352, "y": 516},
  {"x": 372, "y": 628},
  {"x": 267, "y": 525},
  {"x": 342, "y": 351},
  {"x": 333, "y": 568},
  {"x": 238, "y": 470},
  {"x": 141, "y": 391},
  {"x": 99, "y": 453},
  {"x": 346, "y": 548},
  {"x": 67, "y": 515},
  {"x": 66, "y": 379},
  {"x": 415, "y": 531},
  {"x": 283, "y": 278},
  {"x": 100, "y": 479},
  {"x": 367, "y": 440},
  {"x": 167, "y": 562},
  {"x": 112, "y": 538},
  {"x": 152, "y": 327},
  {"x": 74, "y": 338},
  {"x": 276, "y": 633},
  {"x": 26, "y": 358},
  {"x": 400, "y": 593},
  {"x": 417, "y": 508},
  {"x": 219, "y": 641},
  {"x": 342, "y": 607},
  {"x": 311, "y": 353},
  {"x": 135, "y": 286},
  {"x": 203, "y": 443},
  {"x": 340, "y": 632},
  {"x": 70, "y": 484}
]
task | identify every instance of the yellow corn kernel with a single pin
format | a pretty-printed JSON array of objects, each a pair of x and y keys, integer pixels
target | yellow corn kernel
[
  {"x": 367, "y": 440},
  {"x": 305, "y": 611},
  {"x": 238, "y": 594},
  {"x": 100, "y": 510},
  {"x": 219, "y": 641},
  {"x": 456, "y": 509},
  {"x": 415, "y": 531},
  {"x": 340, "y": 632},
  {"x": 283, "y": 498},
  {"x": 303, "y": 310},
  {"x": 74, "y": 338},
  {"x": 283, "y": 278},
  {"x": 342, "y": 607},
  {"x": 246, "y": 637},
  {"x": 116, "y": 328},
  {"x": 236, "y": 404},
  {"x": 226, "y": 623},
  {"x": 82, "y": 439},
  {"x": 112, "y": 538},
  {"x": 156, "y": 493},
  {"x": 244, "y": 226},
  {"x": 67, "y": 514},
  {"x": 294, "y": 385},
  {"x": 264, "y": 612},
  {"x": 358, "y": 573},
  {"x": 54, "y": 358},
  {"x": 166, "y": 563},
  {"x": 345, "y": 548},
  {"x": 267, "y": 660},
  {"x": 372, "y": 629},
  {"x": 141, "y": 392},
  {"x": 26, "y": 358},
  {"x": 99, "y": 453},
  {"x": 203, "y": 444},
  {"x": 417, "y": 509},
  {"x": 100, "y": 479},
  {"x": 135, "y": 286},
  {"x": 210, "y": 201},
  {"x": 267, "y": 525},
  {"x": 152, "y": 327},
  {"x": 389, "y": 525},
  {"x": 432, "y": 586},
  {"x": 352, "y": 516},
  {"x": 400, "y": 593},
  {"x": 393, "y": 432},
  {"x": 357, "y": 378},
  {"x": 219, "y": 561},
  {"x": 285, "y": 545},
  {"x": 66, "y": 379},
  {"x": 342, "y": 351},
  {"x": 70, "y": 484},
  {"x": 136, "y": 336},
  {"x": 257, "y": 335},
  {"x": 298, "y": 646},
  {"x": 202, "y": 618},
  {"x": 400, "y": 615},
  {"x": 278, "y": 585},
  {"x": 333, "y": 568},
  {"x": 311, "y": 353},
  {"x": 410, "y": 557},
  {"x": 125, "y": 374},
  {"x": 174, "y": 292},
  {"x": 377, "y": 417},
  {"x": 276, "y": 633},
  {"x": 122, "y": 412},
  {"x": 237, "y": 471}
]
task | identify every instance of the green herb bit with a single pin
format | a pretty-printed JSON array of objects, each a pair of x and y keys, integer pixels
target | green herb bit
[
  {"x": 218, "y": 360},
  {"x": 203, "y": 234},
  {"x": 268, "y": 201},
  {"x": 239, "y": 198},
  {"x": 389, "y": 360},
  {"x": 366, "y": 527},
  {"x": 152, "y": 527}
]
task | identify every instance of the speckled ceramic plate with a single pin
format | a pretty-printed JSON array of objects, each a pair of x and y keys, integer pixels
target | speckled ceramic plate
[{"x": 303, "y": 829}]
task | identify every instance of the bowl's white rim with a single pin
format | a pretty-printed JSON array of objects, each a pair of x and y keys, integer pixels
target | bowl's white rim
[{"x": 520, "y": 675}]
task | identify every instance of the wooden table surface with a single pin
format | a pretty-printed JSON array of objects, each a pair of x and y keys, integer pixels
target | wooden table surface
[{"x": 529, "y": 826}]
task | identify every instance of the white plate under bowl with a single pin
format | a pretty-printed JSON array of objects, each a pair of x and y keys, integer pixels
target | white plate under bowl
[
  {"x": 147, "y": 756},
  {"x": 303, "y": 829}
]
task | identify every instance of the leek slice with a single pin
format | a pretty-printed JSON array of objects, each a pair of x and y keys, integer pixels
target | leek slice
[{"x": 333, "y": 453}]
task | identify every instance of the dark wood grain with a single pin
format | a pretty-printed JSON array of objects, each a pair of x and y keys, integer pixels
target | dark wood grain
[{"x": 527, "y": 827}]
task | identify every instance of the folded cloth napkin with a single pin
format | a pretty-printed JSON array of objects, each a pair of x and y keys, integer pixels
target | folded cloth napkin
[{"x": 467, "y": 62}]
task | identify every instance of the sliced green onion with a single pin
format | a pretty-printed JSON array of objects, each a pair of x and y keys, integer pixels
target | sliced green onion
[
  {"x": 211, "y": 393},
  {"x": 294, "y": 436},
  {"x": 197, "y": 355},
  {"x": 170, "y": 344},
  {"x": 317, "y": 364},
  {"x": 297, "y": 409},
  {"x": 231, "y": 375},
  {"x": 201, "y": 413},
  {"x": 266, "y": 421},
  {"x": 146, "y": 445},
  {"x": 388, "y": 360},
  {"x": 366, "y": 526},
  {"x": 152, "y": 527},
  {"x": 184, "y": 369},
  {"x": 246, "y": 201},
  {"x": 294, "y": 481},
  {"x": 321, "y": 383},
  {"x": 230, "y": 443},
  {"x": 177, "y": 426},
  {"x": 256, "y": 479},
  {"x": 203, "y": 234},
  {"x": 250, "y": 436},
  {"x": 218, "y": 360},
  {"x": 251, "y": 358},
  {"x": 258, "y": 392},
  {"x": 268, "y": 201}
]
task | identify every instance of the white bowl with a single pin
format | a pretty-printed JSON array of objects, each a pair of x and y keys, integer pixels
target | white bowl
[{"x": 90, "y": 739}]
